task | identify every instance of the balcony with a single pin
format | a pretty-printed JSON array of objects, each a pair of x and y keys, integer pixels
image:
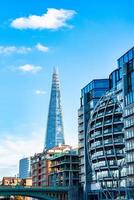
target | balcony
[
  {"x": 118, "y": 110},
  {"x": 81, "y": 143},
  {"x": 80, "y": 120},
  {"x": 102, "y": 105},
  {"x": 81, "y": 136},
  {"x": 107, "y": 142},
  {"x": 117, "y": 130},
  {"x": 80, "y": 112},
  {"x": 81, "y": 128},
  {"x": 98, "y": 124},
  {"x": 81, "y": 162},
  {"x": 81, "y": 152},
  {"x": 109, "y": 132},
  {"x": 109, "y": 112},
  {"x": 100, "y": 115},
  {"x": 109, "y": 121},
  {"x": 96, "y": 145}
]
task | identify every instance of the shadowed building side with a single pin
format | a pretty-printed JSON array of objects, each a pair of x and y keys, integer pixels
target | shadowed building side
[{"x": 55, "y": 131}]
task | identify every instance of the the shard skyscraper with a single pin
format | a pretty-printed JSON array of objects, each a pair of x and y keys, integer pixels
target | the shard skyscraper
[{"x": 54, "y": 131}]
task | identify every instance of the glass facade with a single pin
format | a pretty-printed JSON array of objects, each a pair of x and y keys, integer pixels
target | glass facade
[
  {"x": 90, "y": 95},
  {"x": 54, "y": 132},
  {"x": 106, "y": 145},
  {"x": 25, "y": 168},
  {"x": 129, "y": 92},
  {"x": 108, "y": 127},
  {"x": 126, "y": 63},
  {"x": 114, "y": 78}
]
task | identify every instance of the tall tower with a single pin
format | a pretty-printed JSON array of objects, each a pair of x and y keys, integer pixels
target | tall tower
[
  {"x": 54, "y": 132},
  {"x": 25, "y": 167}
]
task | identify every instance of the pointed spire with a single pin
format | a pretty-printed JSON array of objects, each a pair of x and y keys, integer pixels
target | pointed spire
[
  {"x": 55, "y": 78},
  {"x": 54, "y": 132},
  {"x": 55, "y": 70}
]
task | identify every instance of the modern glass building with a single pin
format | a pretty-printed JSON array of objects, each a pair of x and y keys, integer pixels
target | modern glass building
[
  {"x": 25, "y": 167},
  {"x": 126, "y": 64},
  {"x": 106, "y": 146},
  {"x": 54, "y": 132},
  {"x": 90, "y": 95},
  {"x": 109, "y": 136}
]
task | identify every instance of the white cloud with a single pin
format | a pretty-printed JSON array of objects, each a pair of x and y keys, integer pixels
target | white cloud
[
  {"x": 52, "y": 19},
  {"x": 42, "y": 48},
  {"x": 6, "y": 50},
  {"x": 40, "y": 92},
  {"x": 13, "y": 49},
  {"x": 13, "y": 148},
  {"x": 30, "y": 68}
]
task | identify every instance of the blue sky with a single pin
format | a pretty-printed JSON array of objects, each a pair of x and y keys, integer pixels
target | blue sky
[{"x": 83, "y": 38}]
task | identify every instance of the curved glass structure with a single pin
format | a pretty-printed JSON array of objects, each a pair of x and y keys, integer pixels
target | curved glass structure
[
  {"x": 114, "y": 78},
  {"x": 106, "y": 145}
]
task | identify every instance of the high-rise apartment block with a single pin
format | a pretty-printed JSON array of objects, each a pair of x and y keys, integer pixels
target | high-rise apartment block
[
  {"x": 90, "y": 95},
  {"x": 126, "y": 64},
  {"x": 64, "y": 168},
  {"x": 54, "y": 132}
]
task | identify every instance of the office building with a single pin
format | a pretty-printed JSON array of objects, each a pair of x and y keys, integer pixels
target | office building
[
  {"x": 25, "y": 167},
  {"x": 54, "y": 132}
]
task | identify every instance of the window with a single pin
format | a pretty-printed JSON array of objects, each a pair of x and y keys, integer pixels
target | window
[
  {"x": 126, "y": 57},
  {"x": 130, "y": 77},
  {"x": 130, "y": 54},
  {"x": 111, "y": 162},
  {"x": 118, "y": 127},
  {"x": 109, "y": 152},
  {"x": 130, "y": 133}
]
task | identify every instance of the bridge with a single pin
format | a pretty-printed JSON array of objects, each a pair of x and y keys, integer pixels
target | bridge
[{"x": 46, "y": 193}]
